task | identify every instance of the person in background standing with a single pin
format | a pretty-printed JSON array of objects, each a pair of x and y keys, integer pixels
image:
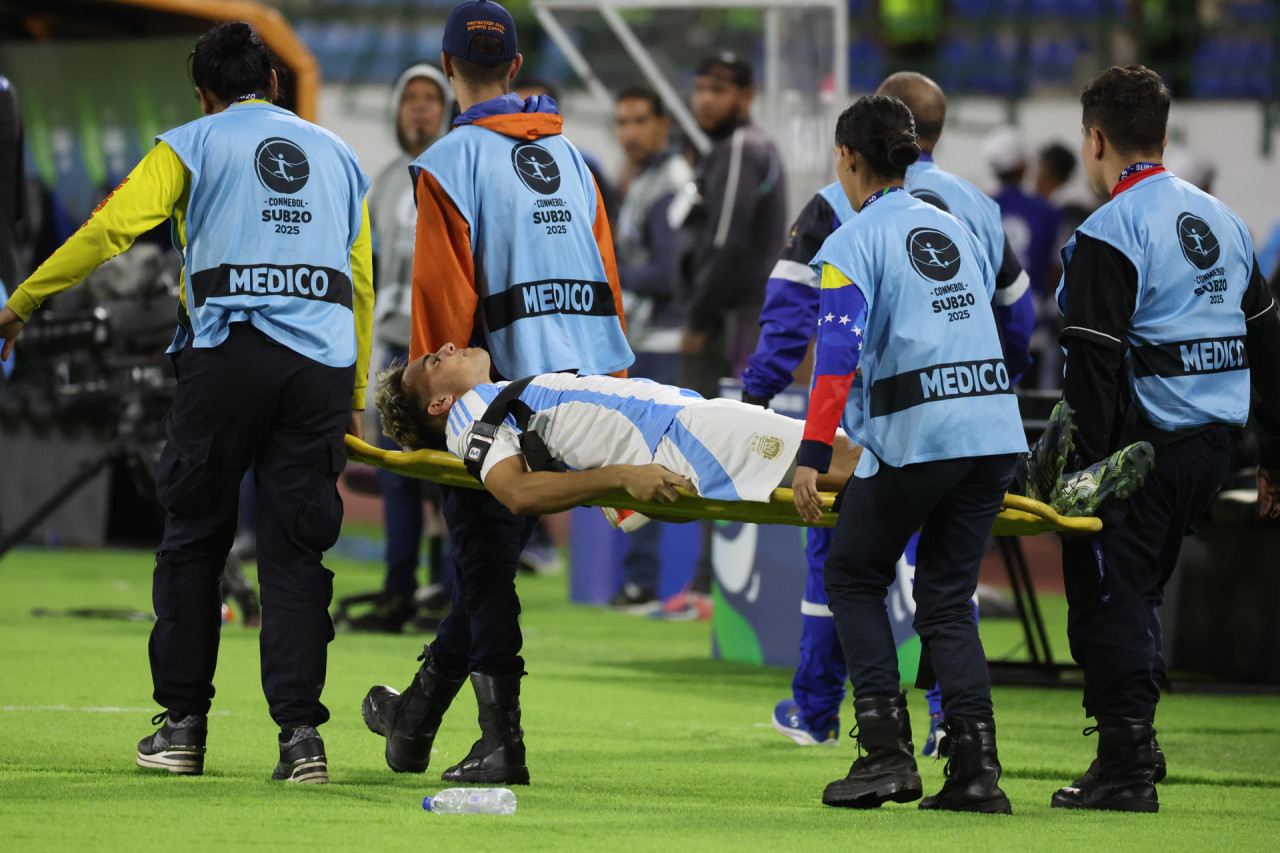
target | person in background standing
[
  {"x": 421, "y": 102},
  {"x": 645, "y": 242},
  {"x": 728, "y": 243},
  {"x": 1055, "y": 165},
  {"x": 1031, "y": 224}
]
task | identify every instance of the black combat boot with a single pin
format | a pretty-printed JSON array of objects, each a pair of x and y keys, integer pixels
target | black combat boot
[
  {"x": 888, "y": 769},
  {"x": 409, "y": 721},
  {"x": 1122, "y": 778},
  {"x": 499, "y": 754},
  {"x": 972, "y": 769},
  {"x": 1157, "y": 775}
]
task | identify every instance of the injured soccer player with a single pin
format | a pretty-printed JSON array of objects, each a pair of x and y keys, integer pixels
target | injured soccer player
[{"x": 609, "y": 434}]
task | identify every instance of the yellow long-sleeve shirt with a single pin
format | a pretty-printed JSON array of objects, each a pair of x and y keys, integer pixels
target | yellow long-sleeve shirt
[{"x": 159, "y": 188}]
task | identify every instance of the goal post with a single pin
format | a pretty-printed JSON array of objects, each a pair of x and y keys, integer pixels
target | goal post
[{"x": 800, "y": 50}]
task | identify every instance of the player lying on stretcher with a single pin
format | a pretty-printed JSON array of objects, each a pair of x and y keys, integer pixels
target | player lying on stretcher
[{"x": 651, "y": 439}]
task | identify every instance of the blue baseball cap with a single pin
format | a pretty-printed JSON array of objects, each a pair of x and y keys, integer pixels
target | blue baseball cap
[{"x": 480, "y": 16}]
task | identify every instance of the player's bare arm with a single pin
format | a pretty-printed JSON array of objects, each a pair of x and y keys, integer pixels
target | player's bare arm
[{"x": 527, "y": 492}]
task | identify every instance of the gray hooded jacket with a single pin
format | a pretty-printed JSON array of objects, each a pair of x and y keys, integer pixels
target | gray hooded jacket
[{"x": 394, "y": 216}]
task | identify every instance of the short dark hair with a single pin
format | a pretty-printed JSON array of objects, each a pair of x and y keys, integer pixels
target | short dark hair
[
  {"x": 1059, "y": 160},
  {"x": 643, "y": 93},
  {"x": 403, "y": 418},
  {"x": 1130, "y": 105},
  {"x": 478, "y": 74},
  {"x": 230, "y": 60},
  {"x": 882, "y": 130}
]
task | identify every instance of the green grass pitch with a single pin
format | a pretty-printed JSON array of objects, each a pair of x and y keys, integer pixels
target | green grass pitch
[{"x": 637, "y": 741}]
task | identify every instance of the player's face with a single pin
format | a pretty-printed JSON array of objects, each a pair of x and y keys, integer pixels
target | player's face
[
  {"x": 421, "y": 110},
  {"x": 716, "y": 101},
  {"x": 447, "y": 372},
  {"x": 640, "y": 133}
]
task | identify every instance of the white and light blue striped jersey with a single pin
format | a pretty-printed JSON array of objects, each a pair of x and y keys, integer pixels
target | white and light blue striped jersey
[{"x": 729, "y": 450}]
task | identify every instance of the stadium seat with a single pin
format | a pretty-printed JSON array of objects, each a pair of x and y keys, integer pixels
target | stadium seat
[
  {"x": 1051, "y": 61},
  {"x": 866, "y": 65},
  {"x": 384, "y": 60},
  {"x": 963, "y": 9},
  {"x": 1249, "y": 12},
  {"x": 997, "y": 66}
]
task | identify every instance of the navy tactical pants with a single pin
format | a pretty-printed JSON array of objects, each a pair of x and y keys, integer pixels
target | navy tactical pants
[
  {"x": 481, "y": 633},
  {"x": 249, "y": 400},
  {"x": 953, "y": 502},
  {"x": 1115, "y": 579}
]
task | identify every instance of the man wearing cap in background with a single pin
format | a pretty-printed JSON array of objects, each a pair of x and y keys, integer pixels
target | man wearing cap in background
[
  {"x": 421, "y": 103},
  {"x": 1030, "y": 222},
  {"x": 513, "y": 252},
  {"x": 728, "y": 242}
]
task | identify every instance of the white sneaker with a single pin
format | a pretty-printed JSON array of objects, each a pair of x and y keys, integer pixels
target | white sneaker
[{"x": 626, "y": 520}]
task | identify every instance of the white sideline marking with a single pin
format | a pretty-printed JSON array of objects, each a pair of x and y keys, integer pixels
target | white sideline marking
[{"x": 105, "y": 710}]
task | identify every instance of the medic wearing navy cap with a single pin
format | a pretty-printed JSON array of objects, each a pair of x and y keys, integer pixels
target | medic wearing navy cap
[{"x": 513, "y": 253}]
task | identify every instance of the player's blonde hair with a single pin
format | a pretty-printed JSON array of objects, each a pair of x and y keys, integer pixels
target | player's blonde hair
[{"x": 403, "y": 418}]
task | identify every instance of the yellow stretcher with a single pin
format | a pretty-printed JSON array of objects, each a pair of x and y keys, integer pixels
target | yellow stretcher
[{"x": 1020, "y": 516}]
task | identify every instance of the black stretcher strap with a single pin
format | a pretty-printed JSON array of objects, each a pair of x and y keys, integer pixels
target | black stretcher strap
[{"x": 508, "y": 402}]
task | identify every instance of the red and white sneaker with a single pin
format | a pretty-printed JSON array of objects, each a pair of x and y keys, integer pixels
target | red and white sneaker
[
  {"x": 685, "y": 606},
  {"x": 626, "y": 520}
]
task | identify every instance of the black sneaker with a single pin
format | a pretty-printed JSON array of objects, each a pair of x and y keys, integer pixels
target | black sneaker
[
  {"x": 302, "y": 757},
  {"x": 634, "y": 599},
  {"x": 176, "y": 747}
]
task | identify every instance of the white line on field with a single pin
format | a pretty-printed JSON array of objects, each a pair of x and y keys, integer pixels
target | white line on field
[{"x": 105, "y": 710}]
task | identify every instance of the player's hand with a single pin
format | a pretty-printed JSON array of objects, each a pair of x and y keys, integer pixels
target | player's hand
[
  {"x": 654, "y": 483},
  {"x": 1268, "y": 493},
  {"x": 355, "y": 426},
  {"x": 691, "y": 342},
  {"x": 10, "y": 327},
  {"x": 804, "y": 491}
]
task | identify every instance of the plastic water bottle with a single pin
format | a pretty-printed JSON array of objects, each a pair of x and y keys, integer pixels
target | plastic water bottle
[{"x": 471, "y": 801}]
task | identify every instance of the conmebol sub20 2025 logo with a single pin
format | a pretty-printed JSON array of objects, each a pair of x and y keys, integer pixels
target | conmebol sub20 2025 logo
[{"x": 282, "y": 166}]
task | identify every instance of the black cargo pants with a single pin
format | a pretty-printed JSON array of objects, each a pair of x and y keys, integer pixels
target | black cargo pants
[{"x": 249, "y": 400}]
